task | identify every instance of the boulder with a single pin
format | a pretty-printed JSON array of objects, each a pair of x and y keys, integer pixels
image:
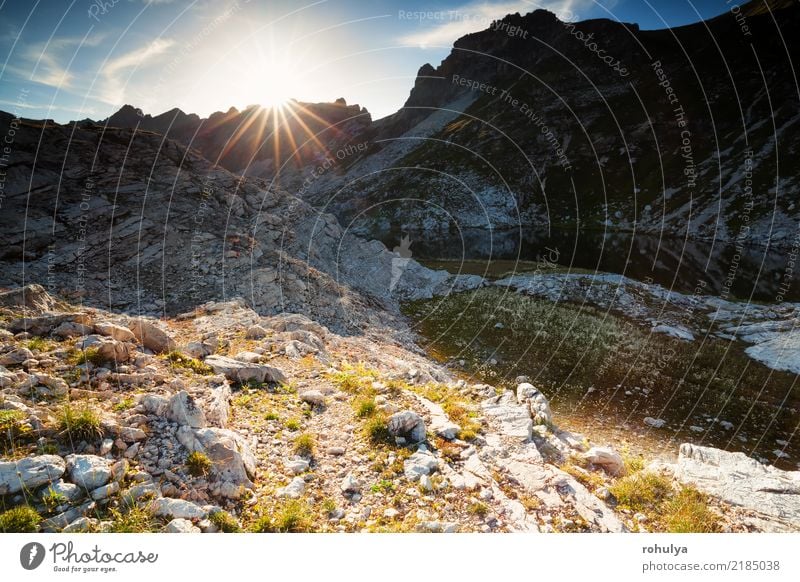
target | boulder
[
  {"x": 248, "y": 357},
  {"x": 536, "y": 401},
  {"x": 55, "y": 386},
  {"x": 423, "y": 462},
  {"x": 105, "y": 491},
  {"x": 69, "y": 491},
  {"x": 184, "y": 410},
  {"x": 515, "y": 420},
  {"x": 29, "y": 473},
  {"x": 297, "y": 465},
  {"x": 350, "y": 485},
  {"x": 114, "y": 331},
  {"x": 294, "y": 490},
  {"x": 44, "y": 324},
  {"x": 313, "y": 397},
  {"x": 229, "y": 453},
  {"x": 236, "y": 371},
  {"x": 107, "y": 348},
  {"x": 181, "y": 525},
  {"x": 72, "y": 329},
  {"x": 654, "y": 422},
  {"x": 607, "y": 458},
  {"x": 151, "y": 336},
  {"x": 409, "y": 425},
  {"x": 255, "y": 332},
  {"x": 32, "y": 296},
  {"x": 218, "y": 405},
  {"x": 88, "y": 471},
  {"x": 15, "y": 357},
  {"x": 739, "y": 480},
  {"x": 177, "y": 508}
]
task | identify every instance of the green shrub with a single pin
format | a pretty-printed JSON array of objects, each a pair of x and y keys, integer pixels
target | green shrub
[
  {"x": 377, "y": 430},
  {"x": 90, "y": 355},
  {"x": 293, "y": 516},
  {"x": 198, "y": 464},
  {"x": 22, "y": 519},
  {"x": 305, "y": 444},
  {"x": 225, "y": 522},
  {"x": 53, "y": 499},
  {"x": 79, "y": 424},
  {"x": 180, "y": 360},
  {"x": 364, "y": 407}
]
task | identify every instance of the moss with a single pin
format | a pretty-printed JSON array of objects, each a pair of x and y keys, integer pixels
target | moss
[
  {"x": 198, "y": 464},
  {"x": 179, "y": 360},
  {"x": 643, "y": 491},
  {"x": 22, "y": 519},
  {"x": 688, "y": 512},
  {"x": 79, "y": 424},
  {"x": 292, "y": 516},
  {"x": 305, "y": 445},
  {"x": 225, "y": 522},
  {"x": 38, "y": 344},
  {"x": 134, "y": 520}
]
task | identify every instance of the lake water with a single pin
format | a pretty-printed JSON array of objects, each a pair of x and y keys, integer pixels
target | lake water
[
  {"x": 760, "y": 404},
  {"x": 752, "y": 274}
]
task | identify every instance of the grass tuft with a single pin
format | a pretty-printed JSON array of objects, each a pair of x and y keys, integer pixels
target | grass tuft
[
  {"x": 79, "y": 424},
  {"x": 292, "y": 516},
  {"x": 225, "y": 522},
  {"x": 22, "y": 519},
  {"x": 198, "y": 464},
  {"x": 305, "y": 445},
  {"x": 179, "y": 360}
]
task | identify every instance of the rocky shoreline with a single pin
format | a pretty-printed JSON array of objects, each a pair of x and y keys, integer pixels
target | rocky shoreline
[{"x": 224, "y": 420}]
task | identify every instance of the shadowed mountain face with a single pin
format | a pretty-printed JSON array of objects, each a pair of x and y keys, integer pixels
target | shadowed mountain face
[
  {"x": 257, "y": 140},
  {"x": 536, "y": 122}
]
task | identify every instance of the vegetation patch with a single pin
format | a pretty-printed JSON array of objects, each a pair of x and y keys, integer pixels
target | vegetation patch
[
  {"x": 79, "y": 424},
  {"x": 13, "y": 428},
  {"x": 179, "y": 360},
  {"x": 291, "y": 516},
  {"x": 133, "y": 520},
  {"x": 198, "y": 464},
  {"x": 225, "y": 522},
  {"x": 305, "y": 444},
  {"x": 22, "y": 519}
]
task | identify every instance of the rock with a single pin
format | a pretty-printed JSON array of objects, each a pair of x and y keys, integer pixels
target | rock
[
  {"x": 426, "y": 483},
  {"x": 248, "y": 357},
  {"x": 151, "y": 336},
  {"x": 229, "y": 453},
  {"x": 408, "y": 425},
  {"x": 536, "y": 401},
  {"x": 88, "y": 471},
  {"x": 62, "y": 520},
  {"x": 108, "y": 348},
  {"x": 423, "y": 462},
  {"x": 106, "y": 446},
  {"x": 350, "y": 485},
  {"x": 56, "y": 386},
  {"x": 607, "y": 458},
  {"x": 313, "y": 397},
  {"x": 15, "y": 357},
  {"x": 336, "y": 451},
  {"x": 7, "y": 379},
  {"x": 105, "y": 491},
  {"x": 118, "y": 469},
  {"x": 218, "y": 405},
  {"x": 515, "y": 420},
  {"x": 184, "y": 410},
  {"x": 69, "y": 491},
  {"x": 297, "y": 465},
  {"x": 654, "y": 422},
  {"x": 240, "y": 372},
  {"x": 29, "y": 473},
  {"x": 294, "y": 490},
  {"x": 32, "y": 296},
  {"x": 131, "y": 434},
  {"x": 72, "y": 329},
  {"x": 177, "y": 508},
  {"x": 141, "y": 491},
  {"x": 255, "y": 332},
  {"x": 116, "y": 332},
  {"x": 181, "y": 525},
  {"x": 46, "y": 323},
  {"x": 81, "y": 525},
  {"x": 739, "y": 480},
  {"x": 437, "y": 527}
]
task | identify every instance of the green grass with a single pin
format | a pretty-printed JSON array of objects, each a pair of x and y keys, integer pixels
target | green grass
[
  {"x": 125, "y": 404},
  {"x": 133, "y": 520},
  {"x": 79, "y": 424},
  {"x": 458, "y": 409},
  {"x": 305, "y": 444},
  {"x": 53, "y": 499},
  {"x": 642, "y": 492},
  {"x": 688, "y": 512},
  {"x": 293, "y": 424},
  {"x": 225, "y": 522},
  {"x": 478, "y": 509},
  {"x": 12, "y": 427},
  {"x": 364, "y": 407},
  {"x": 179, "y": 360},
  {"x": 90, "y": 355},
  {"x": 292, "y": 516},
  {"x": 376, "y": 430},
  {"x": 22, "y": 519},
  {"x": 271, "y": 415},
  {"x": 38, "y": 344},
  {"x": 198, "y": 464},
  {"x": 382, "y": 486}
]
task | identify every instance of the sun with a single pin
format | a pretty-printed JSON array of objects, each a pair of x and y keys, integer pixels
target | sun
[{"x": 278, "y": 84}]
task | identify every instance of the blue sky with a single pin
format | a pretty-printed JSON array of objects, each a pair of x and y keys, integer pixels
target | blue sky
[{"x": 71, "y": 59}]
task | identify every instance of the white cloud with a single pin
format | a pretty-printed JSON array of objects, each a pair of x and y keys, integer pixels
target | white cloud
[
  {"x": 47, "y": 60},
  {"x": 114, "y": 86},
  {"x": 454, "y": 23}
]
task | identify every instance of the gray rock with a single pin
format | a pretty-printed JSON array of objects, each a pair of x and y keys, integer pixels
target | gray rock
[
  {"x": 236, "y": 371},
  {"x": 423, "y": 462},
  {"x": 297, "y": 465},
  {"x": 151, "y": 336},
  {"x": 105, "y": 491},
  {"x": 248, "y": 357},
  {"x": 607, "y": 458},
  {"x": 177, "y": 508},
  {"x": 408, "y": 425},
  {"x": 29, "y": 473},
  {"x": 69, "y": 491},
  {"x": 81, "y": 525},
  {"x": 350, "y": 485},
  {"x": 515, "y": 420},
  {"x": 313, "y": 397},
  {"x": 739, "y": 480},
  {"x": 15, "y": 357},
  {"x": 72, "y": 329},
  {"x": 184, "y": 410},
  {"x": 294, "y": 490},
  {"x": 255, "y": 332},
  {"x": 88, "y": 471},
  {"x": 181, "y": 525},
  {"x": 229, "y": 453},
  {"x": 117, "y": 332},
  {"x": 654, "y": 422},
  {"x": 62, "y": 520},
  {"x": 108, "y": 348}
]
